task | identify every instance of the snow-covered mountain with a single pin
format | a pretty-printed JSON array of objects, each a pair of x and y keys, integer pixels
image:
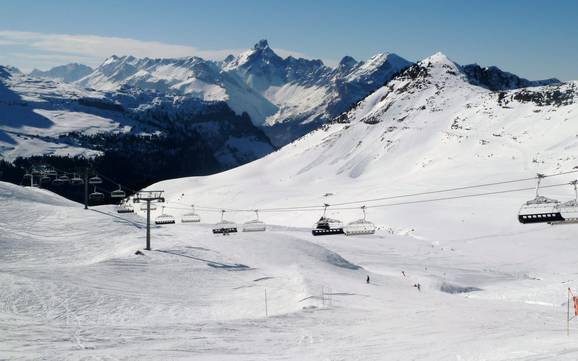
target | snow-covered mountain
[
  {"x": 429, "y": 127},
  {"x": 177, "y": 134},
  {"x": 287, "y": 97},
  {"x": 66, "y": 73}
]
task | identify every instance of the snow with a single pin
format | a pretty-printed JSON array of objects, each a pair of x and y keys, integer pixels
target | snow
[
  {"x": 74, "y": 289},
  {"x": 491, "y": 288}
]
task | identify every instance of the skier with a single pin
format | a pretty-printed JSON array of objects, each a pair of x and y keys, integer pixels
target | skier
[{"x": 367, "y": 279}]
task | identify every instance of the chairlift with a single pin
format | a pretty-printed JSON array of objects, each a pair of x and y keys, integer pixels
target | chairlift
[
  {"x": 255, "y": 225},
  {"x": 164, "y": 218},
  {"x": 326, "y": 226},
  {"x": 224, "y": 227},
  {"x": 96, "y": 196},
  {"x": 124, "y": 207},
  {"x": 64, "y": 179},
  {"x": 76, "y": 180},
  {"x": 540, "y": 209},
  {"x": 57, "y": 182},
  {"x": 95, "y": 180},
  {"x": 119, "y": 193},
  {"x": 190, "y": 217},
  {"x": 360, "y": 226},
  {"x": 569, "y": 209}
]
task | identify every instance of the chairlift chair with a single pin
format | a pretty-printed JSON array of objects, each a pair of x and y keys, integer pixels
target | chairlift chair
[
  {"x": 327, "y": 226},
  {"x": 224, "y": 226},
  {"x": 119, "y": 193},
  {"x": 64, "y": 179},
  {"x": 255, "y": 225},
  {"x": 45, "y": 179},
  {"x": 569, "y": 209},
  {"x": 76, "y": 180},
  {"x": 540, "y": 209},
  {"x": 124, "y": 207},
  {"x": 57, "y": 182},
  {"x": 95, "y": 180},
  {"x": 51, "y": 173},
  {"x": 164, "y": 218},
  {"x": 360, "y": 226},
  {"x": 96, "y": 196},
  {"x": 191, "y": 217}
]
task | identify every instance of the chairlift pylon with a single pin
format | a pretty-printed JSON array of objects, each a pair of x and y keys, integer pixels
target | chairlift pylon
[
  {"x": 143, "y": 206},
  {"x": 540, "y": 209},
  {"x": 224, "y": 227},
  {"x": 255, "y": 225},
  {"x": 327, "y": 226}
]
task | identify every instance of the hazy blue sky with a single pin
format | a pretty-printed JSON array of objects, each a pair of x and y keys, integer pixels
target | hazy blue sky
[{"x": 535, "y": 39}]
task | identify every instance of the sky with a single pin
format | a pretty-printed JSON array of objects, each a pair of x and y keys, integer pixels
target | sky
[{"x": 534, "y": 39}]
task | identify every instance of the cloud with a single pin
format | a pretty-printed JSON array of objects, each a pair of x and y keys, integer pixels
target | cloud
[{"x": 40, "y": 50}]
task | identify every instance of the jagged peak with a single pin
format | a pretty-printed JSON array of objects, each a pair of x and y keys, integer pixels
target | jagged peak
[
  {"x": 347, "y": 62},
  {"x": 261, "y": 45}
]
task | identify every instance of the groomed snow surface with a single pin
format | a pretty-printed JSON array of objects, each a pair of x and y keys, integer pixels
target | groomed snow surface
[{"x": 73, "y": 288}]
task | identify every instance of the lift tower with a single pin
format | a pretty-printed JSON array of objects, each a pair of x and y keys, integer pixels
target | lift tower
[{"x": 149, "y": 196}]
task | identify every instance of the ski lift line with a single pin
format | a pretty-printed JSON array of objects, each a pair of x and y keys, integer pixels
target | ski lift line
[
  {"x": 427, "y": 200},
  {"x": 392, "y": 204},
  {"x": 455, "y": 189},
  {"x": 318, "y": 207}
]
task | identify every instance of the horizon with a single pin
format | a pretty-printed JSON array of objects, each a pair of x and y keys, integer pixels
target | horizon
[{"x": 525, "y": 38}]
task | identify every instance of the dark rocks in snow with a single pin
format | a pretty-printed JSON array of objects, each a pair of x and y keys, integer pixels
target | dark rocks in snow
[{"x": 496, "y": 79}]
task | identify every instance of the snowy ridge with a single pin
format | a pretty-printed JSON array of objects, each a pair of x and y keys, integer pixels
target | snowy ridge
[
  {"x": 66, "y": 73},
  {"x": 272, "y": 90},
  {"x": 45, "y": 117}
]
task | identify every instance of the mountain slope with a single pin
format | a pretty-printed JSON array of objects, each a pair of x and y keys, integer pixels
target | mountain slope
[
  {"x": 66, "y": 73},
  {"x": 177, "y": 135},
  {"x": 427, "y": 128}
]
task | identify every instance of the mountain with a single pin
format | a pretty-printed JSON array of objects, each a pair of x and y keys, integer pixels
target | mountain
[
  {"x": 66, "y": 73},
  {"x": 143, "y": 135},
  {"x": 286, "y": 97},
  {"x": 495, "y": 79},
  {"x": 427, "y": 128}
]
